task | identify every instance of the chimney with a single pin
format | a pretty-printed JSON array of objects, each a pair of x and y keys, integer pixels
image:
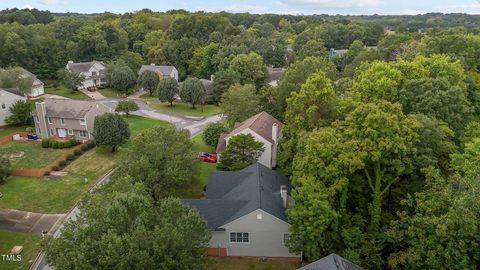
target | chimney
[
  {"x": 70, "y": 61},
  {"x": 274, "y": 132},
  {"x": 152, "y": 64},
  {"x": 283, "y": 194}
]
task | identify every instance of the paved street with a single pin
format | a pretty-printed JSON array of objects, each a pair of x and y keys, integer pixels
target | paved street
[
  {"x": 194, "y": 124},
  {"x": 27, "y": 222}
]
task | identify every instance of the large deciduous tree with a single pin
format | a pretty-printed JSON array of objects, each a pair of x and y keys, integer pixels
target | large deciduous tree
[
  {"x": 311, "y": 107},
  {"x": 127, "y": 106},
  {"x": 148, "y": 80},
  {"x": 240, "y": 102},
  {"x": 110, "y": 130},
  {"x": 71, "y": 79},
  {"x": 21, "y": 113},
  {"x": 124, "y": 229},
  {"x": 212, "y": 133},
  {"x": 242, "y": 151},
  {"x": 167, "y": 90},
  {"x": 192, "y": 91},
  {"x": 250, "y": 68},
  {"x": 222, "y": 81},
  {"x": 14, "y": 78},
  {"x": 122, "y": 78},
  {"x": 160, "y": 158}
]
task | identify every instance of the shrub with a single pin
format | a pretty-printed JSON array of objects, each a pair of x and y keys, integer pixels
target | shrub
[
  {"x": 73, "y": 142},
  {"x": 77, "y": 152},
  {"x": 29, "y": 129},
  {"x": 51, "y": 143},
  {"x": 46, "y": 143},
  {"x": 91, "y": 145},
  {"x": 84, "y": 147},
  {"x": 62, "y": 163},
  {"x": 56, "y": 168},
  {"x": 71, "y": 157},
  {"x": 54, "y": 144}
]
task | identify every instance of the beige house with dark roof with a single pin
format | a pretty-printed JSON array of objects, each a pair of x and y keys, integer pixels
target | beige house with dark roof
[
  {"x": 65, "y": 118},
  {"x": 265, "y": 129},
  {"x": 161, "y": 71},
  {"x": 94, "y": 72}
]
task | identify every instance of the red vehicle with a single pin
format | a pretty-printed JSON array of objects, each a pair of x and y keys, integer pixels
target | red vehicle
[
  {"x": 91, "y": 88},
  {"x": 206, "y": 157}
]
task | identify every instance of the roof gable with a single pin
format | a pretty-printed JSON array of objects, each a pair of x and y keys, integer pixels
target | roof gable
[
  {"x": 260, "y": 123},
  {"x": 165, "y": 70},
  {"x": 14, "y": 92},
  {"x": 67, "y": 108}
]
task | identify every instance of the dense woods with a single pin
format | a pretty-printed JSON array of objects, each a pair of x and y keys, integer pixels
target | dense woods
[{"x": 382, "y": 143}]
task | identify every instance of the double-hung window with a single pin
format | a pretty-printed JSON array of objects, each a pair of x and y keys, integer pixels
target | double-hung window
[
  {"x": 49, "y": 120},
  {"x": 4, "y": 106},
  {"x": 83, "y": 122},
  {"x": 62, "y": 120},
  {"x": 239, "y": 237},
  {"x": 286, "y": 238},
  {"x": 83, "y": 133}
]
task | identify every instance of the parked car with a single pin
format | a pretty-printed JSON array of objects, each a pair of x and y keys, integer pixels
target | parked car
[
  {"x": 91, "y": 88},
  {"x": 206, "y": 157},
  {"x": 32, "y": 137}
]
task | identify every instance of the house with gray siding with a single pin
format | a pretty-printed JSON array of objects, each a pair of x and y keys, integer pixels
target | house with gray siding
[
  {"x": 94, "y": 72},
  {"x": 161, "y": 71},
  {"x": 245, "y": 212},
  {"x": 66, "y": 118},
  {"x": 7, "y": 98},
  {"x": 264, "y": 128}
]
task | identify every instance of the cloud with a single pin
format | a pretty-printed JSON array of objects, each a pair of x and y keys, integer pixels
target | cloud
[
  {"x": 246, "y": 8},
  {"x": 49, "y": 2},
  {"x": 331, "y": 4}
]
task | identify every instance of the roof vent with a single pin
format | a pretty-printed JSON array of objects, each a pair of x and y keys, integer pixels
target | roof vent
[
  {"x": 283, "y": 194},
  {"x": 152, "y": 64},
  {"x": 70, "y": 62}
]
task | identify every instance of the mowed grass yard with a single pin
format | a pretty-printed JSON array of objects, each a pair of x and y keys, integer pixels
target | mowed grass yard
[
  {"x": 31, "y": 246},
  {"x": 30, "y": 155},
  {"x": 194, "y": 191},
  {"x": 45, "y": 195},
  {"x": 8, "y": 130},
  {"x": 184, "y": 108},
  {"x": 56, "y": 88},
  {"x": 248, "y": 264}
]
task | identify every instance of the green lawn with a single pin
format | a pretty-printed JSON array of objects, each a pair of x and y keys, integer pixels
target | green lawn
[
  {"x": 30, "y": 243},
  {"x": 55, "y": 88},
  {"x": 110, "y": 93},
  {"x": 185, "y": 108},
  {"x": 248, "y": 264},
  {"x": 30, "y": 155},
  {"x": 45, "y": 195},
  {"x": 8, "y": 130},
  {"x": 195, "y": 189},
  {"x": 139, "y": 123}
]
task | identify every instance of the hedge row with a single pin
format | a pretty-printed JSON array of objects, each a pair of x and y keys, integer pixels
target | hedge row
[{"x": 49, "y": 143}]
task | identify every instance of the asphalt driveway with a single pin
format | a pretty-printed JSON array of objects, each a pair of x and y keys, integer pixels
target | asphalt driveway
[{"x": 28, "y": 222}]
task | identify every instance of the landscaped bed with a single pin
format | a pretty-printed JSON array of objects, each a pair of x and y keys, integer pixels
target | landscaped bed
[
  {"x": 31, "y": 246},
  {"x": 30, "y": 155},
  {"x": 46, "y": 195}
]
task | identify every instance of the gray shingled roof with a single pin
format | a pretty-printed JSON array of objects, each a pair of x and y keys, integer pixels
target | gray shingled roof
[
  {"x": 332, "y": 262},
  {"x": 68, "y": 108},
  {"x": 165, "y": 70},
  {"x": 80, "y": 67},
  {"x": 31, "y": 76},
  {"x": 208, "y": 85},
  {"x": 231, "y": 195},
  {"x": 14, "y": 91}
]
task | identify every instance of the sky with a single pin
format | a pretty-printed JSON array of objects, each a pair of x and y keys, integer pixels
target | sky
[{"x": 307, "y": 7}]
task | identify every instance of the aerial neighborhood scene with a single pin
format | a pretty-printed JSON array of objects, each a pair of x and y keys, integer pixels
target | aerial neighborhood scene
[{"x": 246, "y": 135}]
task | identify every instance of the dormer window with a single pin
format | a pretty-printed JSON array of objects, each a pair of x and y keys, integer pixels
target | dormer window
[{"x": 94, "y": 73}]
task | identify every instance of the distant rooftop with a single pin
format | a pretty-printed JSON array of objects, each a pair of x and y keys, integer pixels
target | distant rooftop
[{"x": 165, "y": 70}]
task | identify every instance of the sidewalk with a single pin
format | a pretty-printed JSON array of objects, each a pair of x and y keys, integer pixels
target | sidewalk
[{"x": 93, "y": 95}]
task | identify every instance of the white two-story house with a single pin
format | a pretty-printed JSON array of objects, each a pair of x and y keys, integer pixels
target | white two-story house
[
  {"x": 94, "y": 72},
  {"x": 265, "y": 129}
]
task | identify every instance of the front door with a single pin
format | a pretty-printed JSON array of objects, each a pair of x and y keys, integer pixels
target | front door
[{"x": 62, "y": 133}]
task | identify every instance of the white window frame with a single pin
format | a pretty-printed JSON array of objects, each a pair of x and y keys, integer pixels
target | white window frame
[
  {"x": 70, "y": 132},
  {"x": 80, "y": 133},
  {"x": 52, "y": 132},
  {"x": 37, "y": 119},
  {"x": 283, "y": 238},
  {"x": 83, "y": 122},
  {"x": 4, "y": 106},
  {"x": 62, "y": 120},
  {"x": 49, "y": 119},
  {"x": 236, "y": 242}
]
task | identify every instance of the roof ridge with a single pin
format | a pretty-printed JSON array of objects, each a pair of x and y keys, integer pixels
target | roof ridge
[{"x": 260, "y": 185}]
